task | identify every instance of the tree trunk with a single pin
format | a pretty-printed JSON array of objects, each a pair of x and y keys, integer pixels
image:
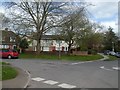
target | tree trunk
[
  {"x": 69, "y": 48},
  {"x": 38, "y": 46}
]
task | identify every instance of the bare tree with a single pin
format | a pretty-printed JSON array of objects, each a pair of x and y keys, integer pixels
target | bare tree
[
  {"x": 40, "y": 16},
  {"x": 4, "y": 21}
]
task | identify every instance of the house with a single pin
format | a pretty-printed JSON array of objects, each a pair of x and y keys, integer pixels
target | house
[
  {"x": 8, "y": 39},
  {"x": 49, "y": 43}
]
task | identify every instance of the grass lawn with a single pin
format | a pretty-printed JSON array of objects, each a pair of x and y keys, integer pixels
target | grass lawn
[
  {"x": 112, "y": 57},
  {"x": 63, "y": 57},
  {"x": 7, "y": 72}
]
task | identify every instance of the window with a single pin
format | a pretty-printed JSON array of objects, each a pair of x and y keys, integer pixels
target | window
[
  {"x": 12, "y": 39},
  {"x": 5, "y": 50},
  {"x": 3, "y": 39},
  {"x": 14, "y": 50},
  {"x": 48, "y": 42}
]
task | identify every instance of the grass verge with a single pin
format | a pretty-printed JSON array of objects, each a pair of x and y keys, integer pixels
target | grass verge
[
  {"x": 112, "y": 58},
  {"x": 7, "y": 72},
  {"x": 63, "y": 57}
]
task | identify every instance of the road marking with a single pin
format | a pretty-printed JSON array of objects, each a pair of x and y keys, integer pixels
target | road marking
[
  {"x": 116, "y": 68},
  {"x": 29, "y": 78},
  {"x": 77, "y": 63},
  {"x": 51, "y": 82},
  {"x": 38, "y": 79},
  {"x": 64, "y": 85},
  {"x": 102, "y": 67}
]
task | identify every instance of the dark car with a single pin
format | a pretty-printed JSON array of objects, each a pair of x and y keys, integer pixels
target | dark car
[
  {"x": 107, "y": 52},
  {"x": 117, "y": 54},
  {"x": 9, "y": 53}
]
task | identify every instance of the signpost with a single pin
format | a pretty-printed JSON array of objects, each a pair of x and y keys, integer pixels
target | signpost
[{"x": 59, "y": 50}]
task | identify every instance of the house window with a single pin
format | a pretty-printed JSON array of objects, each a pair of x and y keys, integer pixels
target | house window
[
  {"x": 12, "y": 39},
  {"x": 3, "y": 46},
  {"x": 3, "y": 39},
  {"x": 48, "y": 43}
]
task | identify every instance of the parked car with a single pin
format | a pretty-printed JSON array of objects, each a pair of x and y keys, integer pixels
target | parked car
[
  {"x": 117, "y": 54},
  {"x": 112, "y": 53},
  {"x": 106, "y": 52},
  {"x": 8, "y": 53}
]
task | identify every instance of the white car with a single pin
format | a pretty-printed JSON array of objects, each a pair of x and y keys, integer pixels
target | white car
[
  {"x": 117, "y": 54},
  {"x": 112, "y": 53}
]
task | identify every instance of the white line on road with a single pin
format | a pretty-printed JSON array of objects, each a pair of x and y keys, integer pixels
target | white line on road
[
  {"x": 51, "y": 82},
  {"x": 102, "y": 67},
  {"x": 38, "y": 79},
  {"x": 116, "y": 68},
  {"x": 64, "y": 85},
  {"x": 77, "y": 63}
]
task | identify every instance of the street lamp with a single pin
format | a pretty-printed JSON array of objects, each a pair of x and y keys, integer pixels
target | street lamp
[
  {"x": 113, "y": 46},
  {"x": 59, "y": 50}
]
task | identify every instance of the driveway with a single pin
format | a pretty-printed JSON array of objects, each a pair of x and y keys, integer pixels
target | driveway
[{"x": 67, "y": 74}]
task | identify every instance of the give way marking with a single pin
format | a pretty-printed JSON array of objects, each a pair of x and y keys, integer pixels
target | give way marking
[
  {"x": 116, "y": 68},
  {"x": 113, "y": 68}
]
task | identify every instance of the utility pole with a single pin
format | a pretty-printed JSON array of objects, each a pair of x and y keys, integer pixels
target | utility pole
[
  {"x": 59, "y": 50},
  {"x": 113, "y": 47}
]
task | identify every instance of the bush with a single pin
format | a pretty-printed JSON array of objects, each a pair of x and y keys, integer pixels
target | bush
[{"x": 92, "y": 51}]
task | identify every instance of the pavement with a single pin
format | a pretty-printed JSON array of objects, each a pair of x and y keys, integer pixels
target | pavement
[
  {"x": 64, "y": 74},
  {"x": 19, "y": 82}
]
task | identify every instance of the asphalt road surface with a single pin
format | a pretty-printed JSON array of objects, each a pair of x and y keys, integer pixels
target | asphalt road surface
[{"x": 67, "y": 74}]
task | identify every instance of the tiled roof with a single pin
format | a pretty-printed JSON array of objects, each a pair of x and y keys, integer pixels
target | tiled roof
[{"x": 6, "y": 37}]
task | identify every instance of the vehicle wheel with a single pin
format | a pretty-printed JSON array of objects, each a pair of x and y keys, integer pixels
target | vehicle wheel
[{"x": 9, "y": 56}]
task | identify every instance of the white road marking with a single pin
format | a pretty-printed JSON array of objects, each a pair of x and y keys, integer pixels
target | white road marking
[
  {"x": 64, "y": 85},
  {"x": 81, "y": 62},
  {"x": 77, "y": 63},
  {"x": 116, "y": 68},
  {"x": 38, "y": 79},
  {"x": 102, "y": 67},
  {"x": 51, "y": 82}
]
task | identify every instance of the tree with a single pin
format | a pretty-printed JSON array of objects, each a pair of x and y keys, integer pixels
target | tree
[
  {"x": 23, "y": 44},
  {"x": 4, "y": 21},
  {"x": 40, "y": 16},
  {"x": 110, "y": 40},
  {"x": 118, "y": 46},
  {"x": 71, "y": 25},
  {"x": 90, "y": 37}
]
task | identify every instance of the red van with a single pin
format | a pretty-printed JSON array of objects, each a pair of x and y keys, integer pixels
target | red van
[{"x": 8, "y": 53}]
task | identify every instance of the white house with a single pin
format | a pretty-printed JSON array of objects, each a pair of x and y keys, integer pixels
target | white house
[{"x": 49, "y": 43}]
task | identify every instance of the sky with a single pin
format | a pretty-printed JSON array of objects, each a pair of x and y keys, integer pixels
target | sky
[{"x": 104, "y": 12}]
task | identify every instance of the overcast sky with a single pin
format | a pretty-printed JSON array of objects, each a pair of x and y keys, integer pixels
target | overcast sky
[{"x": 104, "y": 12}]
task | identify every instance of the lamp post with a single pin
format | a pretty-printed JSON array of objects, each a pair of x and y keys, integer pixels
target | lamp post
[
  {"x": 59, "y": 50},
  {"x": 113, "y": 46}
]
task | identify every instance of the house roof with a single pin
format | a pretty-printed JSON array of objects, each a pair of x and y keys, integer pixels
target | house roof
[
  {"x": 51, "y": 37},
  {"x": 48, "y": 37},
  {"x": 7, "y": 33},
  {"x": 6, "y": 37}
]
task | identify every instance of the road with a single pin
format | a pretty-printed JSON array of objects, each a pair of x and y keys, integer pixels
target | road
[{"x": 67, "y": 74}]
